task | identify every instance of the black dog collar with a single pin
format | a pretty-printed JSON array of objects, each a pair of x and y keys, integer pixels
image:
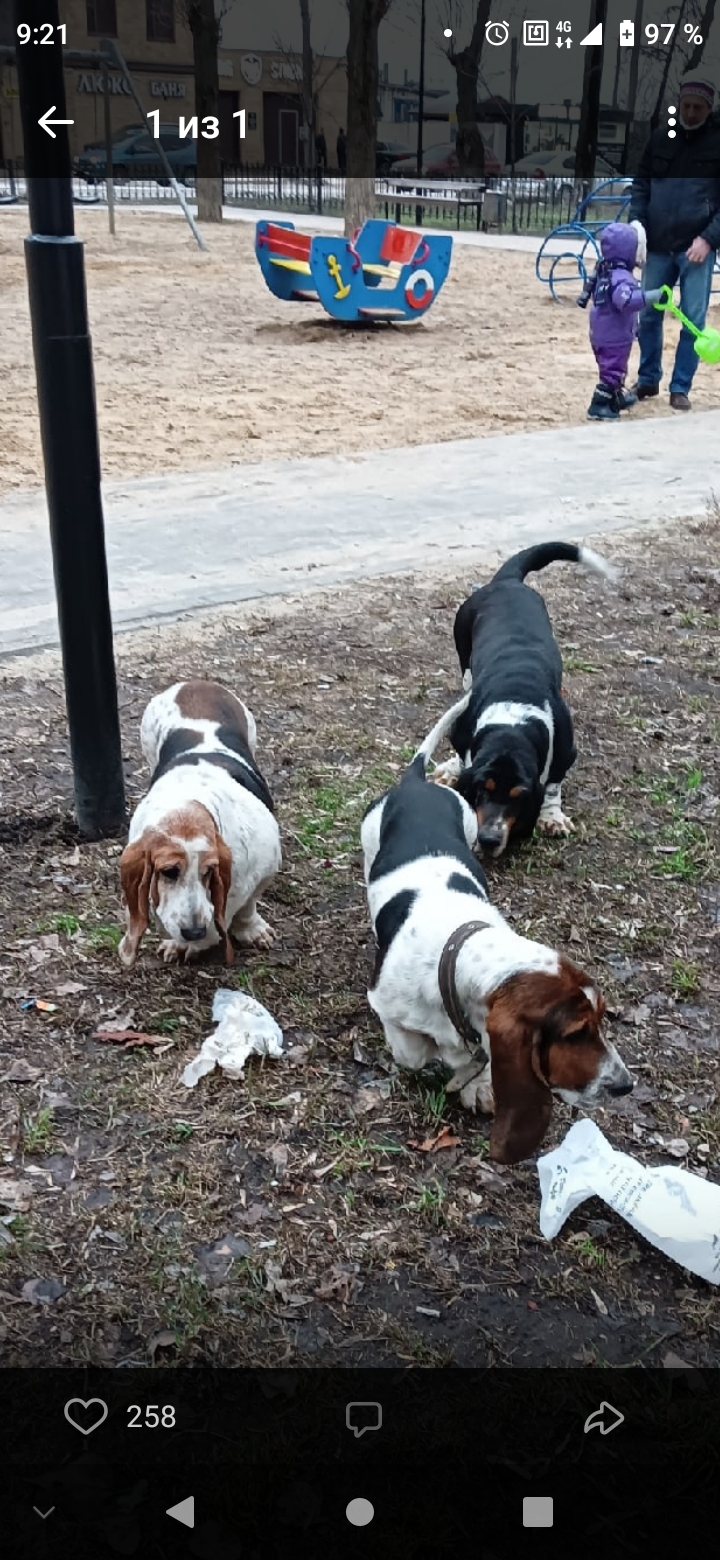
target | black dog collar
[{"x": 448, "y": 989}]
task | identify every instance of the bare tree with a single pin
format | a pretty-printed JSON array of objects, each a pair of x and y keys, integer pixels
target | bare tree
[
  {"x": 669, "y": 56},
  {"x": 363, "y": 72},
  {"x": 466, "y": 65},
  {"x": 199, "y": 16},
  {"x": 308, "y": 84},
  {"x": 706, "y": 21}
]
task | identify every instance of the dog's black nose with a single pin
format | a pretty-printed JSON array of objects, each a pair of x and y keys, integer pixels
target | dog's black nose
[
  {"x": 489, "y": 841},
  {"x": 192, "y": 933},
  {"x": 617, "y": 1089}
]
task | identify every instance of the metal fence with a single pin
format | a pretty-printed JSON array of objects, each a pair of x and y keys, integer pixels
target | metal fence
[{"x": 518, "y": 205}]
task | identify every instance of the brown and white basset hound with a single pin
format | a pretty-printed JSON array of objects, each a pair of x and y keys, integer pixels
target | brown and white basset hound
[{"x": 204, "y": 842}]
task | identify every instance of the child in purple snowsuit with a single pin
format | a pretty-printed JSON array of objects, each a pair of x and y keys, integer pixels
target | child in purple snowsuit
[{"x": 617, "y": 301}]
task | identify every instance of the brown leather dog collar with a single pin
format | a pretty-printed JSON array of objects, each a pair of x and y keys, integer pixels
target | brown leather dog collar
[{"x": 448, "y": 989}]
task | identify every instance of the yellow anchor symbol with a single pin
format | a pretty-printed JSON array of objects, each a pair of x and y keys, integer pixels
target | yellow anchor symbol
[{"x": 336, "y": 274}]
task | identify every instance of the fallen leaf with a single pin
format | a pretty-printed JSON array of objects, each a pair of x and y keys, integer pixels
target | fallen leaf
[
  {"x": 21, "y": 1072},
  {"x": 160, "y": 1340},
  {"x": 15, "y": 1194},
  {"x": 673, "y": 1362},
  {"x": 70, "y": 988},
  {"x": 602, "y": 1308},
  {"x": 445, "y": 1139},
  {"x": 128, "y": 1038},
  {"x": 42, "y": 1291},
  {"x": 678, "y": 1147},
  {"x": 254, "y": 1214}
]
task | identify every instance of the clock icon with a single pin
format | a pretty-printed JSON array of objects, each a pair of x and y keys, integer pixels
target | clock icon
[{"x": 497, "y": 33}]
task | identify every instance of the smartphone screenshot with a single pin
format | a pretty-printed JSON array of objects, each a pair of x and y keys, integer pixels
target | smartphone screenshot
[{"x": 359, "y": 779}]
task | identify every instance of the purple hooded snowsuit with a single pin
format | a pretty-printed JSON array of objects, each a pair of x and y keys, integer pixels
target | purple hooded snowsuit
[{"x": 616, "y": 302}]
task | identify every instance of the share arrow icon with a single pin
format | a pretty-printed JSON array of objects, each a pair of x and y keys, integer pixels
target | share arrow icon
[{"x": 605, "y": 1419}]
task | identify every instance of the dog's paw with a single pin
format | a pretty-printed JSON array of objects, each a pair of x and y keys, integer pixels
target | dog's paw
[
  {"x": 171, "y": 952},
  {"x": 467, "y": 680},
  {"x": 255, "y": 934},
  {"x": 447, "y": 773},
  {"x": 555, "y": 823},
  {"x": 478, "y": 1096}
]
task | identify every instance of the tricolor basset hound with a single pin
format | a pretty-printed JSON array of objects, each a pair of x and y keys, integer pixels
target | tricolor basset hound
[
  {"x": 514, "y": 736},
  {"x": 204, "y": 842},
  {"x": 515, "y": 1021}
]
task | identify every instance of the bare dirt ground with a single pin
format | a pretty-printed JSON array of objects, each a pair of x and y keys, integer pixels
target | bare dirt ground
[
  {"x": 196, "y": 363},
  {"x": 309, "y": 1214}
]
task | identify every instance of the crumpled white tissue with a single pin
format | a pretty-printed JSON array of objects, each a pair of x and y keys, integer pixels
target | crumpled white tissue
[
  {"x": 244, "y": 1028},
  {"x": 674, "y": 1210}
]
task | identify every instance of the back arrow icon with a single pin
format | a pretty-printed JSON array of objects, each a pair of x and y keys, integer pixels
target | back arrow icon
[
  {"x": 46, "y": 122},
  {"x": 44, "y": 1514},
  {"x": 601, "y": 1420}
]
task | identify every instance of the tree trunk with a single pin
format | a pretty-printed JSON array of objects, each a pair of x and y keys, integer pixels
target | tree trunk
[
  {"x": 466, "y": 64},
  {"x": 704, "y": 31},
  {"x": 363, "y": 75},
  {"x": 205, "y": 36},
  {"x": 657, "y": 111},
  {"x": 308, "y": 99},
  {"x": 359, "y": 203},
  {"x": 589, "y": 126}
]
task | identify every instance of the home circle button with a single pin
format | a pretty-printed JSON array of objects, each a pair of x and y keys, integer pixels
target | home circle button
[{"x": 359, "y": 1512}]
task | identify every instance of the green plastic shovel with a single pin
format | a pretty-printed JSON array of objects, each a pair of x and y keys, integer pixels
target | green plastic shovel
[{"x": 706, "y": 343}]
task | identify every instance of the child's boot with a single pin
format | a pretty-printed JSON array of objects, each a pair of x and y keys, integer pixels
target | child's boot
[{"x": 602, "y": 408}]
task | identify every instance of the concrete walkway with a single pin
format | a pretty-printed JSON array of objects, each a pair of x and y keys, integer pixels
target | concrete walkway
[{"x": 178, "y": 544}]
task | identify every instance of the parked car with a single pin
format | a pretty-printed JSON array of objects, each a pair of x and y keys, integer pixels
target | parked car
[
  {"x": 558, "y": 170},
  {"x": 442, "y": 161},
  {"x": 137, "y": 153},
  {"x": 388, "y": 152}
]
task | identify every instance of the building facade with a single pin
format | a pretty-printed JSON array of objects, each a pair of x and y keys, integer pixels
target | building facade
[{"x": 157, "y": 47}]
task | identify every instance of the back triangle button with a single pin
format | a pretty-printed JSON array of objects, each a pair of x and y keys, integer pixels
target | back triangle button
[{"x": 184, "y": 1512}]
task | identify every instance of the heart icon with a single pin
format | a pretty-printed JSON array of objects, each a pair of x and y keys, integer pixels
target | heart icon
[{"x": 99, "y": 1418}]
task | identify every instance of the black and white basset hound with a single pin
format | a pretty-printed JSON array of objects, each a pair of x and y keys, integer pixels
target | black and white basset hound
[
  {"x": 514, "y": 736},
  {"x": 514, "y": 1020}
]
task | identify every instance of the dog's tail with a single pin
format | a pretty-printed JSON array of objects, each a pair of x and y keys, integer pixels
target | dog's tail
[
  {"x": 533, "y": 558},
  {"x": 441, "y": 728}
]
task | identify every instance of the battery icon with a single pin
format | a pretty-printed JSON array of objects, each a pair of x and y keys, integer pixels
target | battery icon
[{"x": 627, "y": 34}]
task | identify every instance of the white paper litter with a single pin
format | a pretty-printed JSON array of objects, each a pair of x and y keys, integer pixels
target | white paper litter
[
  {"x": 674, "y": 1210},
  {"x": 244, "y": 1028}
]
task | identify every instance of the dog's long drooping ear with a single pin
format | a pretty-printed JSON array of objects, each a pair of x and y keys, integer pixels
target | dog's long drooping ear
[
  {"x": 220, "y": 888},
  {"x": 523, "y": 1101},
  {"x": 135, "y": 875}
]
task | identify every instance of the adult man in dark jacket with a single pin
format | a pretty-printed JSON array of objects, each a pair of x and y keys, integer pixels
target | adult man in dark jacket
[{"x": 677, "y": 199}]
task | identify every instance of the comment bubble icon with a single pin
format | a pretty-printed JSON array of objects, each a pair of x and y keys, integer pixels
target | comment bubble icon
[{"x": 361, "y": 1417}]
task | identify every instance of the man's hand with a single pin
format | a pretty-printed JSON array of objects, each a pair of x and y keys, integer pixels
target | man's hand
[{"x": 698, "y": 251}]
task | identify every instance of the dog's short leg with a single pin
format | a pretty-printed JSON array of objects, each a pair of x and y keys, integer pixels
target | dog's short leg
[
  {"x": 467, "y": 680},
  {"x": 250, "y": 929},
  {"x": 409, "y": 1049},
  {"x": 552, "y": 819}
]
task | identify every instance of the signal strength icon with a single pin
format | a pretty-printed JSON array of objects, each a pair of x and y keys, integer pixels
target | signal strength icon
[{"x": 594, "y": 39}]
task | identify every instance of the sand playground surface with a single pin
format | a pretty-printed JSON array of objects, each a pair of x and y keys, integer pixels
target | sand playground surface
[{"x": 197, "y": 365}]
